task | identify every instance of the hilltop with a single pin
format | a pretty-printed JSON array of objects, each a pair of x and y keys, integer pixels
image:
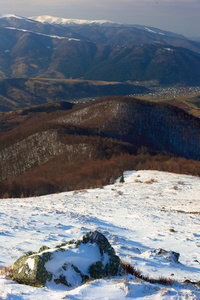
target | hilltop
[
  {"x": 58, "y": 147},
  {"x": 146, "y": 218}
]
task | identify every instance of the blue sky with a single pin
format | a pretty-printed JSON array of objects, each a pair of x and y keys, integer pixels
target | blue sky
[{"x": 180, "y": 16}]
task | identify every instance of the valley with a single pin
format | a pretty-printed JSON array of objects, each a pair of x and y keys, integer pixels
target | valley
[
  {"x": 186, "y": 98},
  {"x": 18, "y": 93}
]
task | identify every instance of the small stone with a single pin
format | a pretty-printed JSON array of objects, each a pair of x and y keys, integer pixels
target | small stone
[{"x": 170, "y": 255}]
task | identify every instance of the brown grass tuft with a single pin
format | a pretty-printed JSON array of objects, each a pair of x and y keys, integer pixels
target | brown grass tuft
[
  {"x": 7, "y": 272},
  {"x": 151, "y": 181},
  {"x": 130, "y": 269}
]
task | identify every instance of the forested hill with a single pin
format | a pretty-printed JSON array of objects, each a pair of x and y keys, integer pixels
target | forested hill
[
  {"x": 57, "y": 147},
  {"x": 157, "y": 126}
]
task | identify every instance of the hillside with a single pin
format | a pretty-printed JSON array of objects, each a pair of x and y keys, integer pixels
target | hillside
[
  {"x": 56, "y": 147},
  {"x": 146, "y": 219},
  {"x": 156, "y": 126},
  {"x": 190, "y": 104},
  {"x": 111, "y": 52}
]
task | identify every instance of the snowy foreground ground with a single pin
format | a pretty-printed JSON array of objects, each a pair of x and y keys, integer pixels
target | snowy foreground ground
[{"x": 151, "y": 210}]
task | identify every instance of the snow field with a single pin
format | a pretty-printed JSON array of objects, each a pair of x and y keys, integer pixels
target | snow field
[{"x": 151, "y": 210}]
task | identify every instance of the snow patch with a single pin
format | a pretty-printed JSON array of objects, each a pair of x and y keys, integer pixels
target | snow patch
[
  {"x": 150, "y": 30},
  {"x": 31, "y": 263},
  {"x": 153, "y": 31},
  {"x": 77, "y": 256},
  {"x": 42, "y": 34}
]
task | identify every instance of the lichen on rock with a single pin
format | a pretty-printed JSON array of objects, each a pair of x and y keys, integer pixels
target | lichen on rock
[
  {"x": 69, "y": 263},
  {"x": 98, "y": 270},
  {"x": 31, "y": 270}
]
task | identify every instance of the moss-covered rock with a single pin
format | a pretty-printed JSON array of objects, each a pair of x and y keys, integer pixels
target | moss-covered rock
[
  {"x": 96, "y": 270},
  {"x": 99, "y": 270},
  {"x": 62, "y": 280},
  {"x": 69, "y": 263},
  {"x": 31, "y": 269},
  {"x": 43, "y": 248}
]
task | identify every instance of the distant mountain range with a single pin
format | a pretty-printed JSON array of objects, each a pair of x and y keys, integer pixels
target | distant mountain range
[{"x": 48, "y": 47}]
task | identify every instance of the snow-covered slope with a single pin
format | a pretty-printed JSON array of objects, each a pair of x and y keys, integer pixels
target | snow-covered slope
[
  {"x": 42, "y": 34},
  {"x": 8, "y": 16},
  {"x": 64, "y": 21},
  {"x": 150, "y": 210}
]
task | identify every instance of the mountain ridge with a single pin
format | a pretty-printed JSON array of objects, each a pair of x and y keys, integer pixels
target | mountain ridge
[
  {"x": 30, "y": 48},
  {"x": 65, "y": 21}
]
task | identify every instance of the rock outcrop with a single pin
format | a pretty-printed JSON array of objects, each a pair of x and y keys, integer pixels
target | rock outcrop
[
  {"x": 170, "y": 255},
  {"x": 70, "y": 263}
]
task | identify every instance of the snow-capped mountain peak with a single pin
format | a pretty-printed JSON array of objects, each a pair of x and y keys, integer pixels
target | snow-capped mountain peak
[
  {"x": 9, "y": 16},
  {"x": 64, "y": 21}
]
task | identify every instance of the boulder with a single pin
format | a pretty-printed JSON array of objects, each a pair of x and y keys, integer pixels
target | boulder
[
  {"x": 70, "y": 264},
  {"x": 30, "y": 269}
]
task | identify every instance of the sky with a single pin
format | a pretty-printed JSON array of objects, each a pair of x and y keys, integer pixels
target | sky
[{"x": 179, "y": 16}]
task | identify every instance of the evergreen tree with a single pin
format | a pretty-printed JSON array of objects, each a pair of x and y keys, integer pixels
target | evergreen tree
[{"x": 122, "y": 179}]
